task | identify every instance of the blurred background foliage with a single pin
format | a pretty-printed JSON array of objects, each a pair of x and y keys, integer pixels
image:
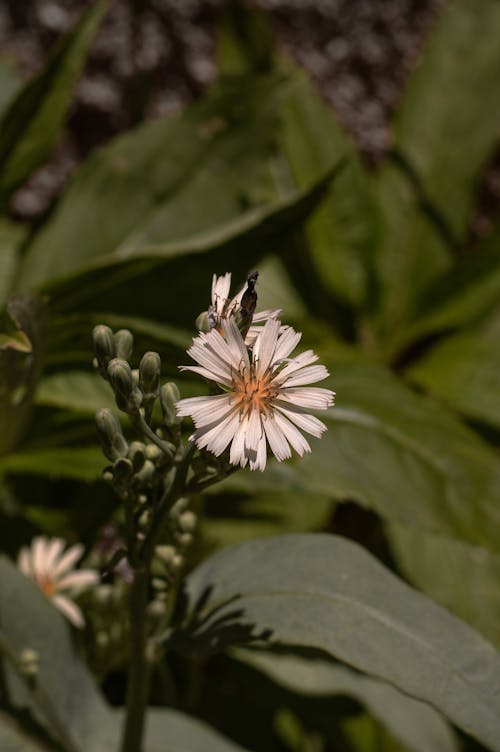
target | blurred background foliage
[{"x": 349, "y": 151}]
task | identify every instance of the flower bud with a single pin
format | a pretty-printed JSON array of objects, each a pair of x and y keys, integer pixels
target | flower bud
[
  {"x": 187, "y": 522},
  {"x": 123, "y": 470},
  {"x": 113, "y": 442},
  {"x": 149, "y": 373},
  {"x": 169, "y": 396},
  {"x": 137, "y": 455},
  {"x": 146, "y": 474},
  {"x": 29, "y": 663},
  {"x": 165, "y": 553},
  {"x": 120, "y": 376},
  {"x": 124, "y": 342},
  {"x": 202, "y": 323},
  {"x": 104, "y": 344}
]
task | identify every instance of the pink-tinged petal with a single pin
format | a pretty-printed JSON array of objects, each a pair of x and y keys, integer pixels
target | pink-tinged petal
[
  {"x": 220, "y": 291},
  {"x": 277, "y": 441},
  {"x": 216, "y": 436},
  {"x": 205, "y": 409},
  {"x": 237, "y": 455},
  {"x": 236, "y": 344},
  {"x": 295, "y": 364},
  {"x": 293, "y": 435},
  {"x": 70, "y": 610},
  {"x": 54, "y": 551},
  {"x": 67, "y": 561},
  {"x": 287, "y": 341},
  {"x": 78, "y": 581},
  {"x": 265, "y": 346},
  {"x": 39, "y": 548},
  {"x": 311, "y": 398},
  {"x": 259, "y": 463},
  {"x": 307, "y": 375},
  {"x": 207, "y": 374},
  {"x": 254, "y": 431},
  {"x": 24, "y": 561},
  {"x": 306, "y": 422},
  {"x": 269, "y": 313}
]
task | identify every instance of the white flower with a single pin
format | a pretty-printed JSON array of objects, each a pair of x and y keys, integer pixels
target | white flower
[
  {"x": 222, "y": 308},
  {"x": 53, "y": 570},
  {"x": 264, "y": 395}
]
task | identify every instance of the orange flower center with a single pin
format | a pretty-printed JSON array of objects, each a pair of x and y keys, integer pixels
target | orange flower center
[
  {"x": 252, "y": 392},
  {"x": 47, "y": 586}
]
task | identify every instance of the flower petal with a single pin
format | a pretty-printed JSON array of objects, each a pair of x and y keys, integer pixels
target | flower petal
[
  {"x": 67, "y": 561},
  {"x": 312, "y": 398},
  {"x": 276, "y": 438},
  {"x": 307, "y": 375},
  {"x": 293, "y": 435},
  {"x": 78, "y": 580},
  {"x": 220, "y": 291},
  {"x": 237, "y": 455},
  {"x": 70, "y": 610},
  {"x": 265, "y": 346},
  {"x": 306, "y": 422},
  {"x": 288, "y": 341},
  {"x": 236, "y": 344}
]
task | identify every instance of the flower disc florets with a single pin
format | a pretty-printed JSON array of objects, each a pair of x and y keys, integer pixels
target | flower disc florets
[{"x": 264, "y": 400}]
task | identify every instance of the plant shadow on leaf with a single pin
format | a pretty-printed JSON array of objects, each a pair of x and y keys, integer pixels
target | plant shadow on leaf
[{"x": 207, "y": 633}]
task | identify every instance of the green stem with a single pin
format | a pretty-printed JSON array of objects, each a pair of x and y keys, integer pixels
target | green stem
[
  {"x": 147, "y": 431},
  {"x": 140, "y": 669}
]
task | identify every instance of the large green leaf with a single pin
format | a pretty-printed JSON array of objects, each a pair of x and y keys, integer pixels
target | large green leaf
[
  {"x": 409, "y": 255},
  {"x": 169, "y": 730},
  {"x": 325, "y": 592},
  {"x": 462, "y": 577},
  {"x": 204, "y": 167},
  {"x": 464, "y": 295},
  {"x": 398, "y": 453},
  {"x": 464, "y": 371},
  {"x": 413, "y": 723},
  {"x": 32, "y": 124},
  {"x": 82, "y": 463},
  {"x": 447, "y": 122},
  {"x": 65, "y": 698},
  {"x": 13, "y": 738},
  {"x": 340, "y": 236},
  {"x": 75, "y": 390}
]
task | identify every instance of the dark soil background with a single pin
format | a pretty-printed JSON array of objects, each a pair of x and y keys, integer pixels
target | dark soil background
[{"x": 152, "y": 57}]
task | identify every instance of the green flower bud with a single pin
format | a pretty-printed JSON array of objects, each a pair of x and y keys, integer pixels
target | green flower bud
[
  {"x": 202, "y": 323},
  {"x": 114, "y": 444},
  {"x": 157, "y": 608},
  {"x": 149, "y": 373},
  {"x": 120, "y": 376},
  {"x": 187, "y": 522},
  {"x": 104, "y": 346},
  {"x": 123, "y": 470},
  {"x": 165, "y": 553},
  {"x": 185, "y": 540},
  {"x": 146, "y": 474},
  {"x": 137, "y": 454},
  {"x": 169, "y": 396},
  {"x": 124, "y": 342},
  {"x": 153, "y": 452},
  {"x": 29, "y": 663}
]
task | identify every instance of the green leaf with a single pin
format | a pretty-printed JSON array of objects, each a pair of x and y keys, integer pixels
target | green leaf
[
  {"x": 410, "y": 254},
  {"x": 398, "y": 453},
  {"x": 32, "y": 124},
  {"x": 21, "y": 348},
  {"x": 11, "y": 235},
  {"x": 64, "y": 686},
  {"x": 464, "y": 295},
  {"x": 244, "y": 41},
  {"x": 464, "y": 371},
  {"x": 461, "y": 577},
  {"x": 447, "y": 122},
  {"x": 81, "y": 463},
  {"x": 169, "y": 730},
  {"x": 9, "y": 81},
  {"x": 231, "y": 519},
  {"x": 75, "y": 390},
  {"x": 325, "y": 592},
  {"x": 340, "y": 235},
  {"x": 204, "y": 168},
  {"x": 414, "y": 723},
  {"x": 181, "y": 272},
  {"x": 13, "y": 738}
]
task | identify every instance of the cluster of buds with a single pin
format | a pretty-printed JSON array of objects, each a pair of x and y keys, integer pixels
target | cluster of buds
[{"x": 169, "y": 560}]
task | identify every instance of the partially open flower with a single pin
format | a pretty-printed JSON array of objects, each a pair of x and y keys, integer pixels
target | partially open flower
[
  {"x": 53, "y": 569},
  {"x": 264, "y": 400},
  {"x": 223, "y": 308}
]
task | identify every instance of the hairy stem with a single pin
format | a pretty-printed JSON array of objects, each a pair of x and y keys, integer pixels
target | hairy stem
[{"x": 140, "y": 670}]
